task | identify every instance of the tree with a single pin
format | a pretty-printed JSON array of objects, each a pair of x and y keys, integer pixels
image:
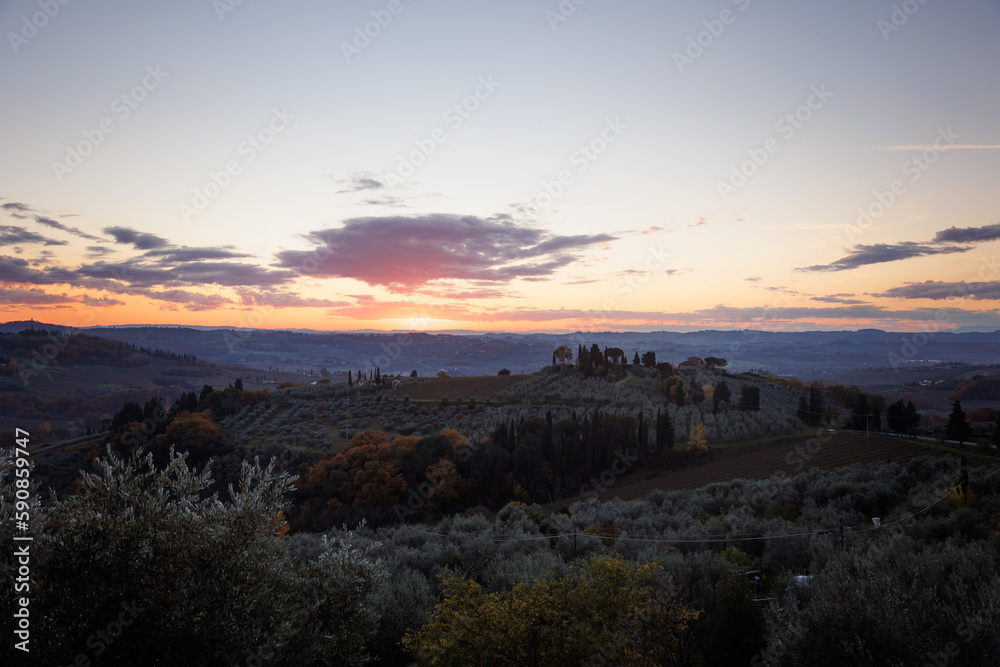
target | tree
[
  {"x": 615, "y": 355},
  {"x": 664, "y": 431},
  {"x": 635, "y": 359},
  {"x": 749, "y": 398},
  {"x": 815, "y": 403},
  {"x": 350, "y": 382},
  {"x": 150, "y": 546},
  {"x": 912, "y": 417},
  {"x": 722, "y": 394},
  {"x": 413, "y": 373},
  {"x": 996, "y": 431},
  {"x": 803, "y": 411},
  {"x": 649, "y": 359},
  {"x": 698, "y": 440},
  {"x": 957, "y": 427},
  {"x": 596, "y": 356},
  {"x": 504, "y": 371},
  {"x": 238, "y": 385},
  {"x": 711, "y": 363},
  {"x": 674, "y": 387},
  {"x": 860, "y": 420},
  {"x": 562, "y": 354},
  {"x": 584, "y": 362},
  {"x": 443, "y": 374},
  {"x": 895, "y": 417},
  {"x": 604, "y": 607}
]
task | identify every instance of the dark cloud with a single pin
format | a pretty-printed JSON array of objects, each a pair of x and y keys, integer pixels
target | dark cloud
[
  {"x": 140, "y": 240},
  {"x": 753, "y": 279},
  {"x": 98, "y": 250},
  {"x": 407, "y": 253},
  {"x": 843, "y": 299},
  {"x": 968, "y": 234},
  {"x": 359, "y": 182},
  {"x": 227, "y": 274},
  {"x": 393, "y": 202},
  {"x": 54, "y": 224},
  {"x": 16, "y": 209},
  {"x": 185, "y": 254},
  {"x": 31, "y": 296},
  {"x": 287, "y": 300},
  {"x": 863, "y": 255},
  {"x": 100, "y": 302},
  {"x": 11, "y": 235},
  {"x": 937, "y": 290}
]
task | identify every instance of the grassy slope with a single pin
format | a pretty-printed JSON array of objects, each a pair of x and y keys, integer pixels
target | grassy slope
[{"x": 763, "y": 458}]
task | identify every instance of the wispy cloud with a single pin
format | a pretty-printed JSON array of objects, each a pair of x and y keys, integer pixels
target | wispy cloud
[
  {"x": 863, "y": 255},
  {"x": 13, "y": 235},
  {"x": 140, "y": 240},
  {"x": 938, "y": 290},
  {"x": 940, "y": 147},
  {"x": 968, "y": 234},
  {"x": 55, "y": 224},
  {"x": 843, "y": 299},
  {"x": 942, "y": 244},
  {"x": 358, "y": 182}
]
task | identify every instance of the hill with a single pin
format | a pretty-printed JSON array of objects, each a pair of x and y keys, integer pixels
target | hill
[{"x": 807, "y": 354}]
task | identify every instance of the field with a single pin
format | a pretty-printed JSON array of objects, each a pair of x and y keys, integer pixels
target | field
[
  {"x": 785, "y": 457},
  {"x": 484, "y": 387}
]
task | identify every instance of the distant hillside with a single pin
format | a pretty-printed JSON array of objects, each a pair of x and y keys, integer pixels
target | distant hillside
[{"x": 810, "y": 354}]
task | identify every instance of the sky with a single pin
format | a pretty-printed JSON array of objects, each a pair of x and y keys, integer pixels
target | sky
[{"x": 525, "y": 165}]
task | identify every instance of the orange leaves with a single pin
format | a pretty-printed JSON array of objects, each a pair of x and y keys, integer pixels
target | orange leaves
[
  {"x": 378, "y": 482},
  {"x": 367, "y": 437}
]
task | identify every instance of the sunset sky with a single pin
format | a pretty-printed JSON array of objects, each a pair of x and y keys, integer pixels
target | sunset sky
[{"x": 525, "y": 165}]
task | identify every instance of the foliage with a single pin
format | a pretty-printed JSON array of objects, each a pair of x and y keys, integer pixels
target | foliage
[
  {"x": 604, "y": 609},
  {"x": 957, "y": 427},
  {"x": 211, "y": 582}
]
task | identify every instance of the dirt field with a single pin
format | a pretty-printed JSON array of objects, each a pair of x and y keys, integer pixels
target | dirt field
[
  {"x": 842, "y": 449},
  {"x": 433, "y": 389}
]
